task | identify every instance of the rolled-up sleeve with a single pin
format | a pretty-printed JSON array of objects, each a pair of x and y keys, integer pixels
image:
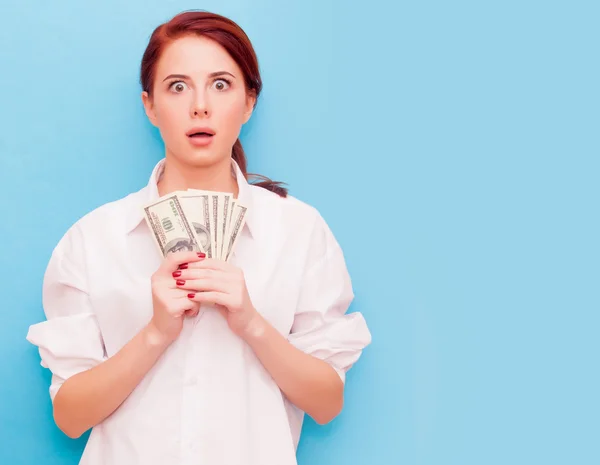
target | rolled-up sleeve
[
  {"x": 70, "y": 340},
  {"x": 322, "y": 327}
]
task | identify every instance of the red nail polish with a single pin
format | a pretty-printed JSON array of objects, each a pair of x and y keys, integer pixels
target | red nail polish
[
  {"x": 176, "y": 274},
  {"x": 183, "y": 266},
  {"x": 180, "y": 282},
  {"x": 201, "y": 255},
  {"x": 191, "y": 296}
]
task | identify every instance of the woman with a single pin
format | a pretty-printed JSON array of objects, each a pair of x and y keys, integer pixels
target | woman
[{"x": 188, "y": 359}]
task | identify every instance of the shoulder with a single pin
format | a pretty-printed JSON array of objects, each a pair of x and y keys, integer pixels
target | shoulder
[
  {"x": 290, "y": 210},
  {"x": 295, "y": 218},
  {"x": 112, "y": 214},
  {"x": 100, "y": 223}
]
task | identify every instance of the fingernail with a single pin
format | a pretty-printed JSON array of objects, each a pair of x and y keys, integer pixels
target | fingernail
[
  {"x": 201, "y": 255},
  {"x": 191, "y": 296},
  {"x": 180, "y": 282},
  {"x": 183, "y": 266},
  {"x": 176, "y": 274}
]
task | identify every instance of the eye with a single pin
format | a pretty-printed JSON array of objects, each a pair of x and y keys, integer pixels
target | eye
[
  {"x": 178, "y": 86},
  {"x": 221, "y": 84}
]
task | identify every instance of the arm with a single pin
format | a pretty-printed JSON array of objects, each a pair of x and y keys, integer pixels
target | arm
[
  {"x": 309, "y": 365},
  {"x": 87, "y": 398},
  {"x": 308, "y": 382},
  {"x": 87, "y": 386}
]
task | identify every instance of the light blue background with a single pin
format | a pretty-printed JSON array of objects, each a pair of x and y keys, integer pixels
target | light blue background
[{"x": 451, "y": 146}]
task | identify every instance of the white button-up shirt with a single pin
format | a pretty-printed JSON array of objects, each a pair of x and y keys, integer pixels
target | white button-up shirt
[{"x": 208, "y": 400}]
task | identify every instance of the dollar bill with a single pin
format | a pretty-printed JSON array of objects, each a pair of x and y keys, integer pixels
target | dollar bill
[
  {"x": 223, "y": 217},
  {"x": 171, "y": 228},
  {"x": 214, "y": 222},
  {"x": 196, "y": 205},
  {"x": 197, "y": 220},
  {"x": 238, "y": 219},
  {"x": 228, "y": 226}
]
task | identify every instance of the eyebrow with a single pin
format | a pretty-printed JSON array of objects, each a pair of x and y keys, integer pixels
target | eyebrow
[{"x": 211, "y": 75}]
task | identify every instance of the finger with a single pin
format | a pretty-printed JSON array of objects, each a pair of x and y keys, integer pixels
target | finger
[
  {"x": 161, "y": 281},
  {"x": 207, "y": 279},
  {"x": 211, "y": 297},
  {"x": 176, "y": 260},
  {"x": 180, "y": 294},
  {"x": 204, "y": 285},
  {"x": 196, "y": 273},
  {"x": 213, "y": 264},
  {"x": 180, "y": 305}
]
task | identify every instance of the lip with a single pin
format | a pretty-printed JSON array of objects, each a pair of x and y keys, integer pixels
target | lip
[
  {"x": 200, "y": 129},
  {"x": 203, "y": 141}
]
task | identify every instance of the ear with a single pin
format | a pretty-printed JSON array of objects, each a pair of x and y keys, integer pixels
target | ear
[
  {"x": 149, "y": 108},
  {"x": 250, "y": 102}
]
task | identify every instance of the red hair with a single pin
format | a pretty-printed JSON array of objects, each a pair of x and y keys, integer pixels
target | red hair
[{"x": 232, "y": 38}]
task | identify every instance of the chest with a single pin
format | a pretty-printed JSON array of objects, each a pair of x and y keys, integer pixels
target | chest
[{"x": 121, "y": 294}]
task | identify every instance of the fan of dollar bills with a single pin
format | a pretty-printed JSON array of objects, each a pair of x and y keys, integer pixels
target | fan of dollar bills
[{"x": 195, "y": 220}]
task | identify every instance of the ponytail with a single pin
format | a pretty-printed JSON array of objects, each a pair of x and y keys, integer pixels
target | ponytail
[{"x": 240, "y": 158}]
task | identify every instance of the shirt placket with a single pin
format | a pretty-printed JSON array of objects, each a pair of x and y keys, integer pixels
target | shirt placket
[{"x": 191, "y": 406}]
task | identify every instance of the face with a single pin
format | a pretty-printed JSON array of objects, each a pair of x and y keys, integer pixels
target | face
[{"x": 198, "y": 87}]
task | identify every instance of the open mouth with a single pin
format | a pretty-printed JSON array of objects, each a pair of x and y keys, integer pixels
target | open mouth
[
  {"x": 200, "y": 136},
  {"x": 200, "y": 133}
]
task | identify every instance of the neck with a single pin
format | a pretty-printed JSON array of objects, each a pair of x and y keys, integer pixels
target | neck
[{"x": 180, "y": 177}]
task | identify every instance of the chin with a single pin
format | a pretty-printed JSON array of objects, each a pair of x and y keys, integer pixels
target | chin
[{"x": 200, "y": 158}]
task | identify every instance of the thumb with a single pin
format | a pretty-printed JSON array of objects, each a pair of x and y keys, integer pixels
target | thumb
[{"x": 192, "y": 312}]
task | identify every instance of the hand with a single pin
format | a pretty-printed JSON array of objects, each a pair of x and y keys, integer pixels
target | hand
[
  {"x": 223, "y": 284},
  {"x": 170, "y": 303}
]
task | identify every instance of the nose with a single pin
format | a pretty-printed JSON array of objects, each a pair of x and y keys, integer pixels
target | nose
[{"x": 200, "y": 107}]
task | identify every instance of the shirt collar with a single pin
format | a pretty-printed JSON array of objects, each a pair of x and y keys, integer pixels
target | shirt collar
[{"x": 150, "y": 193}]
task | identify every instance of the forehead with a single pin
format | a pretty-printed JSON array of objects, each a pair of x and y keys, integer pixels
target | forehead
[{"x": 194, "y": 56}]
